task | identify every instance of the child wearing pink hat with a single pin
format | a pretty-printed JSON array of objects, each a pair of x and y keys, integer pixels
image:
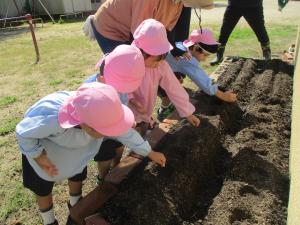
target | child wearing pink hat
[
  {"x": 151, "y": 38},
  {"x": 123, "y": 69},
  {"x": 200, "y": 44},
  {"x": 63, "y": 131}
]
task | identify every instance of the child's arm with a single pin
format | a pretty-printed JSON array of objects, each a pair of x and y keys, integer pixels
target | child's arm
[
  {"x": 137, "y": 105},
  {"x": 177, "y": 94},
  {"x": 198, "y": 76},
  {"x": 203, "y": 81},
  {"x": 29, "y": 132},
  {"x": 133, "y": 140},
  {"x": 46, "y": 164}
]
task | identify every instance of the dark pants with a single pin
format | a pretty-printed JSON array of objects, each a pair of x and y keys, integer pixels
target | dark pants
[
  {"x": 254, "y": 17},
  {"x": 107, "y": 45},
  {"x": 38, "y": 185},
  {"x": 179, "y": 33}
]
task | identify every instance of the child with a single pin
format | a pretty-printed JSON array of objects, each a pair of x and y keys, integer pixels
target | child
[
  {"x": 200, "y": 44},
  {"x": 123, "y": 69},
  {"x": 63, "y": 131},
  {"x": 151, "y": 38}
]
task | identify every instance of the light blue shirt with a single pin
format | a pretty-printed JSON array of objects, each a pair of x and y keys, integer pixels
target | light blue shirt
[
  {"x": 69, "y": 149},
  {"x": 123, "y": 96},
  {"x": 192, "y": 69}
]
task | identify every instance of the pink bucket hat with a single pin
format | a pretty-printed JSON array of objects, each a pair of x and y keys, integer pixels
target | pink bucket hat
[
  {"x": 151, "y": 37},
  {"x": 124, "y": 68},
  {"x": 205, "y": 37},
  {"x": 98, "y": 106}
]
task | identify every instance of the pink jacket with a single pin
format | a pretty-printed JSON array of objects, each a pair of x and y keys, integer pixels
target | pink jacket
[{"x": 146, "y": 94}]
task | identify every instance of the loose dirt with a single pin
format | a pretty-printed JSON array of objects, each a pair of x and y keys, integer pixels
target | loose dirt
[{"x": 233, "y": 169}]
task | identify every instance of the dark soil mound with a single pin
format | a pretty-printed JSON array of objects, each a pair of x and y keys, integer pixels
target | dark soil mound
[{"x": 233, "y": 169}]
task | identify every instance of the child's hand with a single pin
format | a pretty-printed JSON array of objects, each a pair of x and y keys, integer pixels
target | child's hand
[
  {"x": 45, "y": 163},
  {"x": 229, "y": 96},
  {"x": 158, "y": 157},
  {"x": 187, "y": 55},
  {"x": 194, "y": 120},
  {"x": 138, "y": 106}
]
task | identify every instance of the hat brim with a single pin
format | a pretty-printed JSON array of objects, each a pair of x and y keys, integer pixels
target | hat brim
[
  {"x": 188, "y": 43},
  {"x": 121, "y": 127},
  {"x": 65, "y": 119},
  {"x": 159, "y": 50}
]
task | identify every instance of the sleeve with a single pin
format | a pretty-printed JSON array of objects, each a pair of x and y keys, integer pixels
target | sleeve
[
  {"x": 178, "y": 96},
  {"x": 133, "y": 140},
  {"x": 141, "y": 10},
  {"x": 91, "y": 79},
  {"x": 31, "y": 130},
  {"x": 198, "y": 76}
]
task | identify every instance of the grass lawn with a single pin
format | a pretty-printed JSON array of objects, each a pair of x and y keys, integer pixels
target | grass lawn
[{"x": 67, "y": 58}]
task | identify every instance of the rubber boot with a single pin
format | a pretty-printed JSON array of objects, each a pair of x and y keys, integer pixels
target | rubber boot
[
  {"x": 266, "y": 50},
  {"x": 219, "y": 57}
]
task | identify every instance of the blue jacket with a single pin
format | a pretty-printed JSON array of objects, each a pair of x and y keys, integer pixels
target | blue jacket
[
  {"x": 192, "y": 69},
  {"x": 69, "y": 149}
]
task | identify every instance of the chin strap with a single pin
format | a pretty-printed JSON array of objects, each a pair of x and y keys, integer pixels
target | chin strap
[{"x": 199, "y": 17}]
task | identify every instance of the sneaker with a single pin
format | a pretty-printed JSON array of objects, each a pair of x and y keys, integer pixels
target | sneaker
[{"x": 164, "y": 112}]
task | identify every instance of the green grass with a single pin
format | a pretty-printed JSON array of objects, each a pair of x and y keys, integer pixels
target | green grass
[
  {"x": 67, "y": 59},
  {"x": 17, "y": 198},
  {"x": 7, "y": 100},
  {"x": 55, "y": 82},
  {"x": 3, "y": 143},
  {"x": 9, "y": 125}
]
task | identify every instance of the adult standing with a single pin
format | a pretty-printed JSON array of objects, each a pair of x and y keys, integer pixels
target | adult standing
[
  {"x": 116, "y": 20},
  {"x": 252, "y": 11}
]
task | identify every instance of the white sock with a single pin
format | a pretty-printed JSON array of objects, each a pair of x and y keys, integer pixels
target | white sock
[
  {"x": 74, "y": 199},
  {"x": 48, "y": 216}
]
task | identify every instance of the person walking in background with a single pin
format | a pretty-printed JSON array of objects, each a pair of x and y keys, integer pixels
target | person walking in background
[{"x": 252, "y": 11}]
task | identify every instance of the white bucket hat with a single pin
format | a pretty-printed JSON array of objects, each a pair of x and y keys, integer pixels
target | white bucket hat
[{"x": 201, "y": 4}]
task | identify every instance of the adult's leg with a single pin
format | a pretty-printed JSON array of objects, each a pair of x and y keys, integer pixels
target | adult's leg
[
  {"x": 179, "y": 33},
  {"x": 231, "y": 17},
  {"x": 182, "y": 27},
  {"x": 255, "y": 18}
]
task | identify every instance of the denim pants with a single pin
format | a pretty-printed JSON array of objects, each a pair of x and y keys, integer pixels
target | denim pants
[{"x": 106, "y": 44}]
